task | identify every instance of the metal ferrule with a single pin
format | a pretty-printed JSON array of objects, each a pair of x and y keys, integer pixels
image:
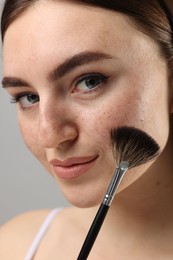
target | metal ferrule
[{"x": 113, "y": 187}]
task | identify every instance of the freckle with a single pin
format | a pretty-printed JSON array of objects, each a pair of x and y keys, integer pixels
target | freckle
[{"x": 158, "y": 183}]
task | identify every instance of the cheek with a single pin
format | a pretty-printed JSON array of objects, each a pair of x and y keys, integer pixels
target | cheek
[
  {"x": 112, "y": 113},
  {"x": 146, "y": 109},
  {"x": 29, "y": 133}
]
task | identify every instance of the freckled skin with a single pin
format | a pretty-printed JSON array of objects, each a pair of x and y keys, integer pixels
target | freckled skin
[{"x": 63, "y": 126}]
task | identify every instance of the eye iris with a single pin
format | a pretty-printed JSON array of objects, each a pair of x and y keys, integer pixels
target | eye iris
[
  {"x": 32, "y": 98},
  {"x": 92, "y": 82}
]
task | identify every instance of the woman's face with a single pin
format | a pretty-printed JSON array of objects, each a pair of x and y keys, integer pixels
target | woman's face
[{"x": 78, "y": 72}]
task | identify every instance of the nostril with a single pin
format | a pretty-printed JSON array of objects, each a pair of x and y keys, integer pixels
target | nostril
[
  {"x": 65, "y": 145},
  {"x": 57, "y": 125},
  {"x": 57, "y": 135}
]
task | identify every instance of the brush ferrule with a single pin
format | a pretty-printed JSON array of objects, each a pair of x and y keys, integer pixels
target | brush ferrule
[{"x": 116, "y": 179}]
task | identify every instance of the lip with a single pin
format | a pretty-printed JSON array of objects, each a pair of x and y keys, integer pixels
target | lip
[{"x": 72, "y": 167}]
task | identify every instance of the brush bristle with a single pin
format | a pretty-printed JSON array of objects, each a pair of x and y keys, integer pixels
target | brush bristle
[{"x": 133, "y": 146}]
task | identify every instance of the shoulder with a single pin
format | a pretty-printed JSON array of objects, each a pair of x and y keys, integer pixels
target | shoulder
[{"x": 17, "y": 234}]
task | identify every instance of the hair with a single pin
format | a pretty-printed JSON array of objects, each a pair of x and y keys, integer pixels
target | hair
[{"x": 154, "y": 18}]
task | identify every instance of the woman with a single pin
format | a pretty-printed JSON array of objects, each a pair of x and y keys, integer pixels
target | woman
[{"x": 77, "y": 69}]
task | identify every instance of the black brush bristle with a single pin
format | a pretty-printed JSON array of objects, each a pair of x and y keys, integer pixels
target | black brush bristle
[{"x": 133, "y": 145}]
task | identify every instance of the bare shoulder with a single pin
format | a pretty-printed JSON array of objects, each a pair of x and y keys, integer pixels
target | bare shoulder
[
  {"x": 17, "y": 234},
  {"x": 72, "y": 220}
]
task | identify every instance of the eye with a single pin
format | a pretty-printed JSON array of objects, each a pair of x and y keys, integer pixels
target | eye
[
  {"x": 25, "y": 100},
  {"x": 90, "y": 82}
]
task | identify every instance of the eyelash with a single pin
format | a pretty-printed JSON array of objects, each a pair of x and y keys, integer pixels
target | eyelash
[
  {"x": 17, "y": 97},
  {"x": 96, "y": 76}
]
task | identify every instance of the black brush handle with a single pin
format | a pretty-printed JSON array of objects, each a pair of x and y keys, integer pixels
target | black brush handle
[{"x": 93, "y": 232}]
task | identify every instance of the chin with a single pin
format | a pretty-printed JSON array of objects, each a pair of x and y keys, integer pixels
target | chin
[
  {"x": 84, "y": 205},
  {"x": 81, "y": 202},
  {"x": 83, "y": 197}
]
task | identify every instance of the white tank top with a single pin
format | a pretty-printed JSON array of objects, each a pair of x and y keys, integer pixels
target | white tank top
[{"x": 37, "y": 240}]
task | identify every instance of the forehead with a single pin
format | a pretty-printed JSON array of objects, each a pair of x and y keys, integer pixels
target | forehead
[
  {"x": 62, "y": 16},
  {"x": 62, "y": 29}
]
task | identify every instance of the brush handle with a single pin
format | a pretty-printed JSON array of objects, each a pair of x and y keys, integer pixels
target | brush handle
[
  {"x": 93, "y": 232},
  {"x": 102, "y": 211}
]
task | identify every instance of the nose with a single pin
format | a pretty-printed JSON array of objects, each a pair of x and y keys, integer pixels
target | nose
[{"x": 57, "y": 127}]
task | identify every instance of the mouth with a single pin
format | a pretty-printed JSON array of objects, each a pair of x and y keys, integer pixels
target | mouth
[{"x": 73, "y": 167}]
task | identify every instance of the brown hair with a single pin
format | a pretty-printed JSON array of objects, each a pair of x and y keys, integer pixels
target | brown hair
[{"x": 155, "y": 18}]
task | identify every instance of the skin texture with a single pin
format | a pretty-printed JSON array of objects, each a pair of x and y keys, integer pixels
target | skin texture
[{"x": 70, "y": 121}]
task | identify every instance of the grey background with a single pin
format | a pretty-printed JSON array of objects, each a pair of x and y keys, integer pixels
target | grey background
[{"x": 24, "y": 184}]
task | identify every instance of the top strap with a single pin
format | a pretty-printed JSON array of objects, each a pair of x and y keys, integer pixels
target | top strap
[{"x": 36, "y": 242}]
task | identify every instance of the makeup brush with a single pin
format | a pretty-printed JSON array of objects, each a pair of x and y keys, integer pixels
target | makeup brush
[{"x": 131, "y": 147}]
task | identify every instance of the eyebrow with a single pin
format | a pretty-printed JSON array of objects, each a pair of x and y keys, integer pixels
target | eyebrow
[
  {"x": 8, "y": 82},
  {"x": 66, "y": 67},
  {"x": 76, "y": 61}
]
